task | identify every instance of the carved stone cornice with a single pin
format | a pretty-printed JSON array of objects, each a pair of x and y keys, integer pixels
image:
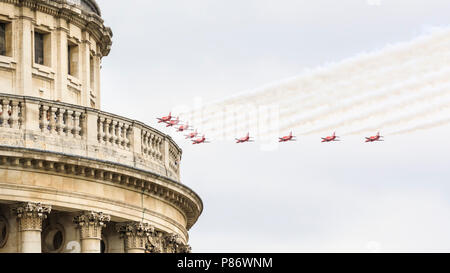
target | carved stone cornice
[
  {"x": 180, "y": 196},
  {"x": 31, "y": 215},
  {"x": 135, "y": 234},
  {"x": 91, "y": 224}
]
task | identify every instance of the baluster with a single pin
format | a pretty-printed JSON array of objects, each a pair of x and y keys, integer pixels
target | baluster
[
  {"x": 59, "y": 121},
  {"x": 113, "y": 139},
  {"x": 69, "y": 122},
  {"x": 152, "y": 145},
  {"x": 160, "y": 149},
  {"x": 119, "y": 136},
  {"x": 100, "y": 129},
  {"x": 44, "y": 121},
  {"x": 52, "y": 122},
  {"x": 143, "y": 137},
  {"x": 81, "y": 125},
  {"x": 5, "y": 115},
  {"x": 157, "y": 147},
  {"x": 146, "y": 143},
  {"x": 14, "y": 114},
  {"x": 127, "y": 130},
  {"x": 76, "y": 126},
  {"x": 107, "y": 133},
  {"x": 20, "y": 114}
]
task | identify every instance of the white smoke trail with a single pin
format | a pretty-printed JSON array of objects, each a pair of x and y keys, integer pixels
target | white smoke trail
[
  {"x": 405, "y": 92},
  {"x": 356, "y": 90},
  {"x": 390, "y": 56},
  {"x": 424, "y": 97},
  {"x": 432, "y": 108},
  {"x": 341, "y": 71},
  {"x": 365, "y": 82},
  {"x": 426, "y": 126}
]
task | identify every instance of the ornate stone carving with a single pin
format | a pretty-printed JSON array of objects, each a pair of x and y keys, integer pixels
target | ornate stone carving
[
  {"x": 174, "y": 244},
  {"x": 184, "y": 249},
  {"x": 155, "y": 242},
  {"x": 91, "y": 224},
  {"x": 135, "y": 234},
  {"x": 30, "y": 215}
]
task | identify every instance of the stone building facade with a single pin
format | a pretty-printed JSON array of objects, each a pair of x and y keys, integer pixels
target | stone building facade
[{"x": 72, "y": 177}]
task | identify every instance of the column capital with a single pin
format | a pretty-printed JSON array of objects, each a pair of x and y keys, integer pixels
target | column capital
[
  {"x": 134, "y": 228},
  {"x": 155, "y": 242},
  {"x": 31, "y": 215},
  {"x": 135, "y": 234},
  {"x": 174, "y": 244},
  {"x": 91, "y": 224}
]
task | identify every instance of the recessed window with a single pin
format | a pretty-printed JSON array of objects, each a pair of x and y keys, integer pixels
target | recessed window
[
  {"x": 4, "y": 231},
  {"x": 92, "y": 72},
  {"x": 5, "y": 39},
  {"x": 42, "y": 46},
  {"x": 39, "y": 48},
  {"x": 2, "y": 39},
  {"x": 73, "y": 59},
  {"x": 53, "y": 239}
]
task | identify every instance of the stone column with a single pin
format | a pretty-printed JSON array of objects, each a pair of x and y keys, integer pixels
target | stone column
[
  {"x": 90, "y": 225},
  {"x": 30, "y": 216},
  {"x": 135, "y": 235}
]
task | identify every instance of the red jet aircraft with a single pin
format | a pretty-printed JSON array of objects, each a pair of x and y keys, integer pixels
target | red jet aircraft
[
  {"x": 244, "y": 139},
  {"x": 374, "y": 138},
  {"x": 183, "y": 128},
  {"x": 192, "y": 135},
  {"x": 165, "y": 119},
  {"x": 173, "y": 122},
  {"x": 290, "y": 137},
  {"x": 330, "y": 138},
  {"x": 200, "y": 140}
]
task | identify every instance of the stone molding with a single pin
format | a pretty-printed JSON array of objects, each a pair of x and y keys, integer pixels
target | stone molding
[
  {"x": 31, "y": 215},
  {"x": 176, "y": 194}
]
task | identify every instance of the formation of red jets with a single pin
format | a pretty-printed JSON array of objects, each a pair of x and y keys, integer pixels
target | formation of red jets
[{"x": 171, "y": 122}]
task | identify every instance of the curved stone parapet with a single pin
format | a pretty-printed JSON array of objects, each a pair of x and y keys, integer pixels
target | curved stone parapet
[
  {"x": 33, "y": 123},
  {"x": 74, "y": 158}
]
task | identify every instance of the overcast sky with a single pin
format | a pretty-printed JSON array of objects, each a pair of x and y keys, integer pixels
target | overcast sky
[{"x": 305, "y": 196}]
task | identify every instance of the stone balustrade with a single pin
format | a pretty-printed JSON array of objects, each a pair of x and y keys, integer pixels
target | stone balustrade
[
  {"x": 34, "y": 123},
  {"x": 11, "y": 112}
]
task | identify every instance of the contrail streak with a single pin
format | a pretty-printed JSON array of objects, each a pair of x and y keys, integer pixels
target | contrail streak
[
  {"x": 425, "y": 126},
  {"x": 429, "y": 111},
  {"x": 387, "y": 110},
  {"x": 406, "y": 92},
  {"x": 362, "y": 89},
  {"x": 391, "y": 55}
]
